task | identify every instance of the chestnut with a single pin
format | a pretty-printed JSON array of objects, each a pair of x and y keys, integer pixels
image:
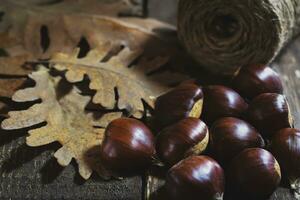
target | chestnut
[
  {"x": 128, "y": 146},
  {"x": 285, "y": 146},
  {"x": 183, "y": 101},
  {"x": 253, "y": 80},
  {"x": 229, "y": 136},
  {"x": 196, "y": 177},
  {"x": 269, "y": 112},
  {"x": 253, "y": 174},
  {"x": 221, "y": 101},
  {"x": 189, "y": 136}
]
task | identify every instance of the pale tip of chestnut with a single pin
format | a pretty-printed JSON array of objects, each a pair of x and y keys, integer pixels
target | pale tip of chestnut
[
  {"x": 277, "y": 168},
  {"x": 200, "y": 147},
  {"x": 197, "y": 109}
]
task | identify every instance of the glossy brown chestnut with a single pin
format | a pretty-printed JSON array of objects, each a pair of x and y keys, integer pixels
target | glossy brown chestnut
[
  {"x": 229, "y": 136},
  {"x": 269, "y": 113},
  {"x": 128, "y": 146},
  {"x": 181, "y": 102},
  {"x": 254, "y": 80},
  {"x": 196, "y": 177},
  {"x": 253, "y": 174},
  {"x": 285, "y": 146},
  {"x": 221, "y": 101},
  {"x": 189, "y": 136}
]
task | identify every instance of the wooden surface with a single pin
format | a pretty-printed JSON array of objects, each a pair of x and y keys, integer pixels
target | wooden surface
[
  {"x": 164, "y": 10},
  {"x": 33, "y": 173}
]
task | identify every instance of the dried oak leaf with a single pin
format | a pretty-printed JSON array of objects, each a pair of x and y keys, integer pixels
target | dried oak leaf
[
  {"x": 9, "y": 86},
  {"x": 67, "y": 122},
  {"x": 42, "y": 28},
  {"x": 136, "y": 57},
  {"x": 95, "y": 7},
  {"x": 133, "y": 83},
  {"x": 7, "y": 89},
  {"x": 15, "y": 66}
]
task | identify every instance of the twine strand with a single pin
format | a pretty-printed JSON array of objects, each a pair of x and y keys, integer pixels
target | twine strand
[{"x": 224, "y": 35}]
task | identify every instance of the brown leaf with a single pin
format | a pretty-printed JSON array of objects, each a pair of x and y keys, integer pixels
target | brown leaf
[
  {"x": 15, "y": 66},
  {"x": 12, "y": 76},
  {"x": 9, "y": 86},
  {"x": 127, "y": 56},
  {"x": 67, "y": 122},
  {"x": 132, "y": 83},
  {"x": 2, "y": 106},
  {"x": 41, "y": 29},
  {"x": 143, "y": 45},
  {"x": 95, "y": 7}
]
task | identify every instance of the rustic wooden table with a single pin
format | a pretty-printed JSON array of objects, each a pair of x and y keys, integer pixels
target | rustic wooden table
[{"x": 33, "y": 173}]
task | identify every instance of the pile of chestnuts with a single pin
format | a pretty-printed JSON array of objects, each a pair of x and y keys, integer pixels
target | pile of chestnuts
[{"x": 215, "y": 141}]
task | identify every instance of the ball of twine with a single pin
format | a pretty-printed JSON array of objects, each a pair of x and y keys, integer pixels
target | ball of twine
[{"x": 224, "y": 35}]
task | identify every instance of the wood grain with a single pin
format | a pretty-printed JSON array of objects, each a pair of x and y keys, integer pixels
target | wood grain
[
  {"x": 163, "y": 10},
  {"x": 33, "y": 173}
]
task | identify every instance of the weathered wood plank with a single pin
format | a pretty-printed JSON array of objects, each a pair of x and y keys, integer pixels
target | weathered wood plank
[
  {"x": 164, "y": 10},
  {"x": 33, "y": 173},
  {"x": 288, "y": 65}
]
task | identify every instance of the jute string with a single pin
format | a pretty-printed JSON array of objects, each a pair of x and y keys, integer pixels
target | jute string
[{"x": 224, "y": 35}]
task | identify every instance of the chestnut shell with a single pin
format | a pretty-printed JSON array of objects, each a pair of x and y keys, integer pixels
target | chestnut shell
[
  {"x": 253, "y": 174},
  {"x": 229, "y": 136},
  {"x": 196, "y": 177},
  {"x": 128, "y": 146},
  {"x": 269, "y": 112},
  {"x": 188, "y": 136},
  {"x": 285, "y": 146},
  {"x": 254, "y": 80},
  {"x": 220, "y": 101},
  {"x": 178, "y": 103}
]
